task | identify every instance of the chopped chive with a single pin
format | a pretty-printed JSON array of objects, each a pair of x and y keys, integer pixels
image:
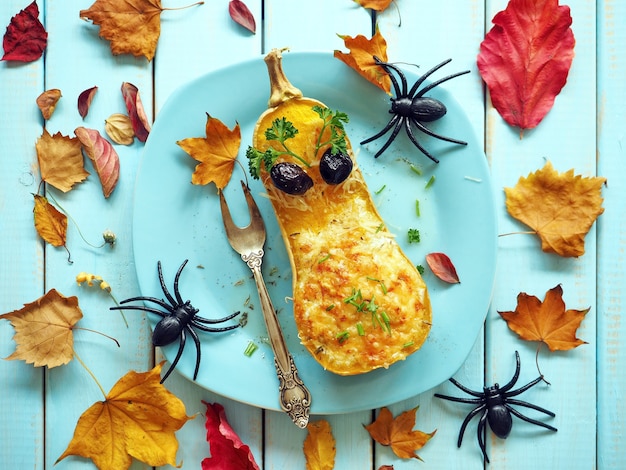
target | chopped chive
[
  {"x": 324, "y": 258},
  {"x": 379, "y": 228},
  {"x": 415, "y": 169},
  {"x": 408, "y": 345},
  {"x": 372, "y": 279},
  {"x": 342, "y": 336},
  {"x": 386, "y": 320},
  {"x": 250, "y": 349},
  {"x": 381, "y": 189},
  {"x": 417, "y": 207},
  {"x": 360, "y": 329},
  {"x": 430, "y": 182},
  {"x": 383, "y": 287},
  {"x": 330, "y": 307}
]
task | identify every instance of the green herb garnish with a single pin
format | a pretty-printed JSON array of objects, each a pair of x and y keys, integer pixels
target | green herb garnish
[
  {"x": 344, "y": 335},
  {"x": 283, "y": 130},
  {"x": 414, "y": 235},
  {"x": 430, "y": 182},
  {"x": 420, "y": 269}
]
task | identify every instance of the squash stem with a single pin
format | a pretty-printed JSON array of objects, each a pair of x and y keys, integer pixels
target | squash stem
[{"x": 281, "y": 89}]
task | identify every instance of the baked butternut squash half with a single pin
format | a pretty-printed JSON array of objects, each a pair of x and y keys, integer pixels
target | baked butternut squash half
[{"x": 359, "y": 302}]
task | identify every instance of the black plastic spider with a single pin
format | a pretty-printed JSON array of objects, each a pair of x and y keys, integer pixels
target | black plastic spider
[
  {"x": 413, "y": 108},
  {"x": 495, "y": 405},
  {"x": 178, "y": 319}
]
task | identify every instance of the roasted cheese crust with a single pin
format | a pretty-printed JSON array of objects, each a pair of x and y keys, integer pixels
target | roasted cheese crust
[{"x": 359, "y": 302}]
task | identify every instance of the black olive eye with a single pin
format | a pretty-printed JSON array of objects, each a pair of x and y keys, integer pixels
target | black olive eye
[
  {"x": 290, "y": 178},
  {"x": 335, "y": 168}
]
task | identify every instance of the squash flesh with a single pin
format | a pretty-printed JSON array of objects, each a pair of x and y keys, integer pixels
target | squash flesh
[{"x": 339, "y": 248}]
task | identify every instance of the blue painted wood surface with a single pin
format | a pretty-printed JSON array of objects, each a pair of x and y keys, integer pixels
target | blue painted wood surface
[{"x": 585, "y": 130}]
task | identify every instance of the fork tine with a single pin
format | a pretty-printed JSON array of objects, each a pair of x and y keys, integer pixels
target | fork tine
[
  {"x": 250, "y": 237},
  {"x": 256, "y": 220}
]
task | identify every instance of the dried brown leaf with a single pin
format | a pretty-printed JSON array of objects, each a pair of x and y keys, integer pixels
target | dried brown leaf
[
  {"x": 47, "y": 102},
  {"x": 119, "y": 129}
]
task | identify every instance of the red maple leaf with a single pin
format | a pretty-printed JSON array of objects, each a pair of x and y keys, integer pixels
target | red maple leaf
[
  {"x": 525, "y": 59},
  {"x": 25, "y": 38}
]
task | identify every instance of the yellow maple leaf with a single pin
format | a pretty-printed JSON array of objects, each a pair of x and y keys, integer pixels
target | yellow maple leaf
[
  {"x": 361, "y": 58},
  {"x": 137, "y": 419},
  {"x": 319, "y": 446},
  {"x": 398, "y": 433},
  {"x": 547, "y": 321},
  {"x": 559, "y": 207},
  {"x": 43, "y": 330},
  {"x": 216, "y": 153},
  {"x": 60, "y": 160},
  {"x": 132, "y": 26}
]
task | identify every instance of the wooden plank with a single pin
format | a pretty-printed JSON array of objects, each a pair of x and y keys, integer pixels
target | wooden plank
[
  {"x": 611, "y": 244},
  {"x": 426, "y": 34},
  {"x": 21, "y": 253},
  {"x": 312, "y": 26},
  {"x": 195, "y": 42},
  {"x": 76, "y": 60},
  {"x": 566, "y": 137}
]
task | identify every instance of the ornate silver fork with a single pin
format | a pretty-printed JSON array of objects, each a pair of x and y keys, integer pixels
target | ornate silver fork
[{"x": 294, "y": 397}]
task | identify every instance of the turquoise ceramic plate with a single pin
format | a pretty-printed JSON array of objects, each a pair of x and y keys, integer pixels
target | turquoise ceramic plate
[{"x": 175, "y": 220}]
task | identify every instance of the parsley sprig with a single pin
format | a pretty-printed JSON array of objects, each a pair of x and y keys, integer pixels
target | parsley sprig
[{"x": 282, "y": 130}]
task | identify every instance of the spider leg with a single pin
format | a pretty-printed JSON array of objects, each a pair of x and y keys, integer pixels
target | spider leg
[
  {"x": 409, "y": 131},
  {"x": 385, "y": 129},
  {"x": 164, "y": 287},
  {"x": 399, "y": 120},
  {"x": 420, "y": 80},
  {"x": 142, "y": 308},
  {"x": 386, "y": 66},
  {"x": 466, "y": 390},
  {"x": 530, "y": 420},
  {"x": 513, "y": 380},
  {"x": 429, "y": 87},
  {"x": 147, "y": 299},
  {"x": 176, "y": 291},
  {"x": 181, "y": 346},
  {"x": 196, "y": 340},
  {"x": 530, "y": 405},
  {"x": 467, "y": 419},
  {"x": 513, "y": 393},
  {"x": 480, "y": 432},
  {"x": 210, "y": 328},
  {"x": 217, "y": 320},
  {"x": 458, "y": 399},
  {"x": 426, "y": 130}
]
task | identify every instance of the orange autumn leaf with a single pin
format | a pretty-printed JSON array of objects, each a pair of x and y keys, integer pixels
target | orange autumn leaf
[
  {"x": 378, "y": 5},
  {"x": 319, "y": 446},
  {"x": 51, "y": 225},
  {"x": 132, "y": 26},
  {"x": 361, "y": 58},
  {"x": 43, "y": 330},
  {"x": 559, "y": 207},
  {"x": 216, "y": 153},
  {"x": 60, "y": 160},
  {"x": 547, "y": 322},
  {"x": 398, "y": 433},
  {"x": 47, "y": 101},
  {"x": 137, "y": 419}
]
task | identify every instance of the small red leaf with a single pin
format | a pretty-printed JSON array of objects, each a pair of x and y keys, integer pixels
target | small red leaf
[
  {"x": 103, "y": 155},
  {"x": 240, "y": 13},
  {"x": 228, "y": 452},
  {"x": 136, "y": 113},
  {"x": 525, "y": 59},
  {"x": 25, "y": 38},
  {"x": 442, "y": 267},
  {"x": 84, "y": 100}
]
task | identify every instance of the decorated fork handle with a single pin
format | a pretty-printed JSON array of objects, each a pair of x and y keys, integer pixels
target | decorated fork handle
[{"x": 294, "y": 397}]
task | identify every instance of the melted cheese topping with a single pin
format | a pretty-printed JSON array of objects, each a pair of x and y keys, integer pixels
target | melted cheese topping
[{"x": 359, "y": 303}]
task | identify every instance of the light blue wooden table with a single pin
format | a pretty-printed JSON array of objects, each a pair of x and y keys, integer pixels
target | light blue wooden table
[{"x": 585, "y": 131}]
